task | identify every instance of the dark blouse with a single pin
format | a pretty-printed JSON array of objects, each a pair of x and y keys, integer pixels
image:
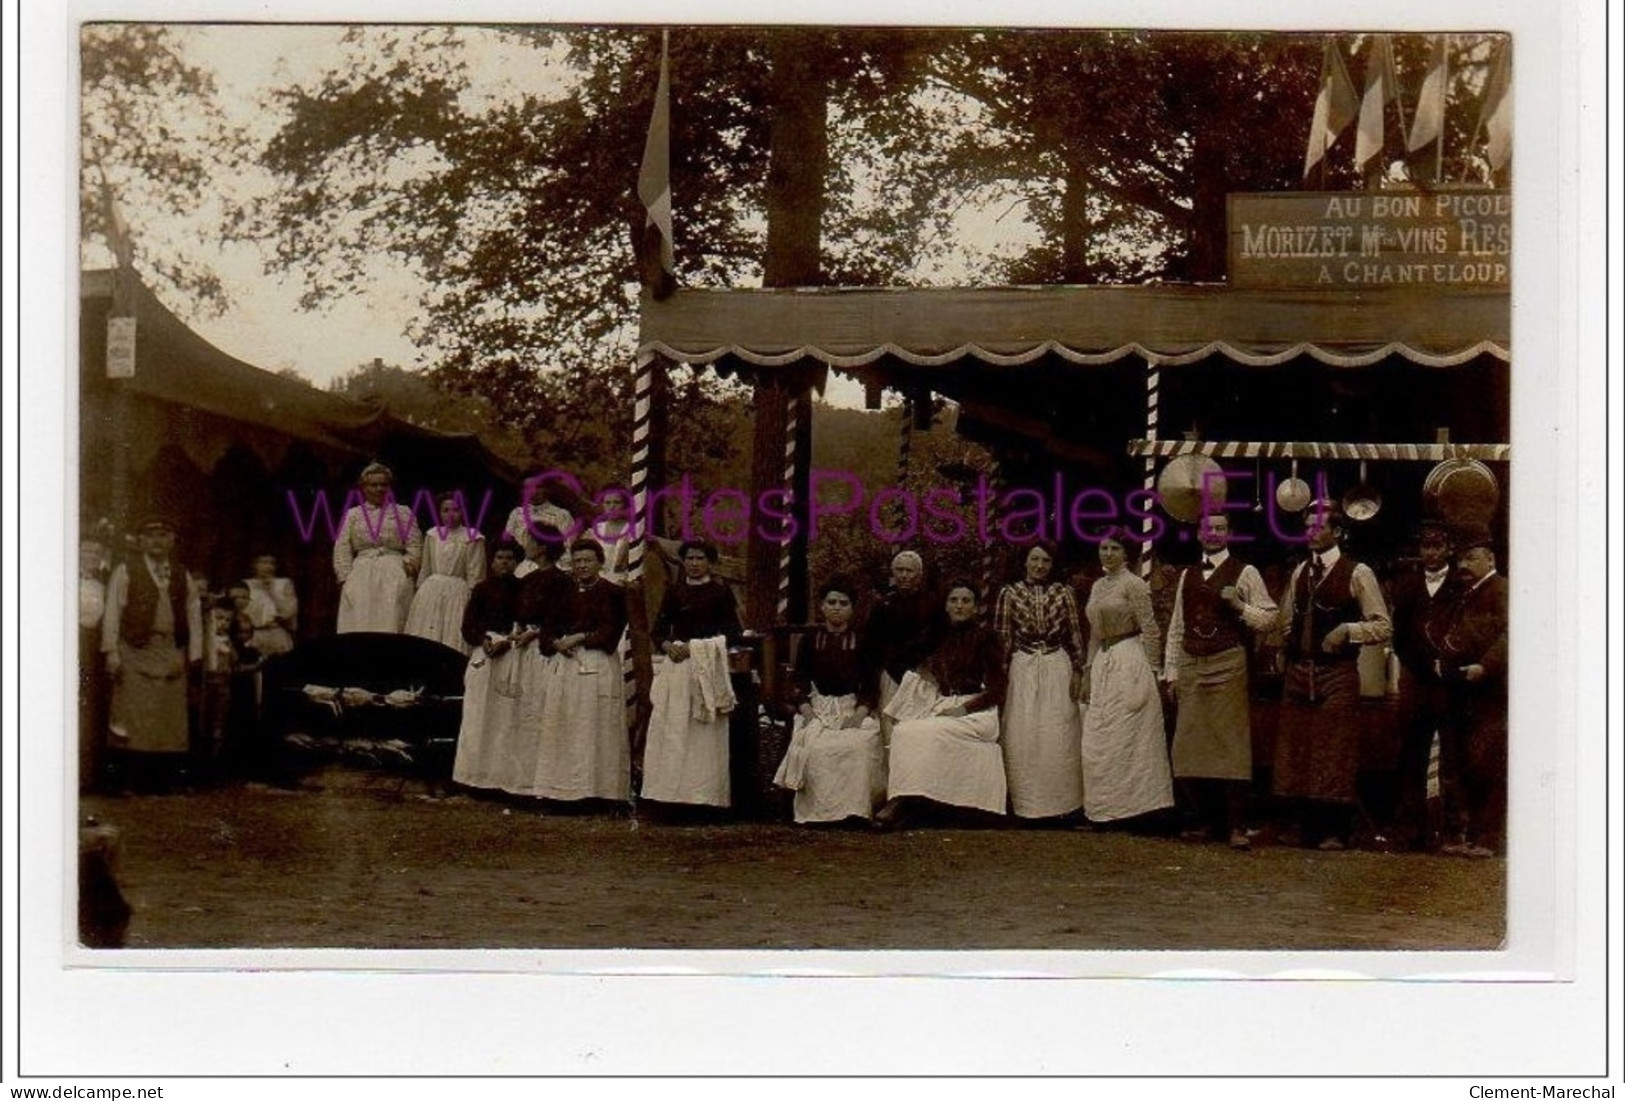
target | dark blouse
[
  {"x": 688, "y": 612},
  {"x": 598, "y": 611},
  {"x": 836, "y": 665},
  {"x": 902, "y": 629},
  {"x": 970, "y": 661},
  {"x": 492, "y": 606},
  {"x": 542, "y": 594}
]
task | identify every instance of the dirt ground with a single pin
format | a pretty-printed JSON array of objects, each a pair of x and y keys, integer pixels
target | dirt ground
[{"x": 359, "y": 864}]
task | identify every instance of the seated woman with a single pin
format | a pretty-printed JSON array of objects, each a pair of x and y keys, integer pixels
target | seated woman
[
  {"x": 685, "y": 757},
  {"x": 491, "y": 681},
  {"x": 273, "y": 607},
  {"x": 945, "y": 746},
  {"x": 583, "y": 752},
  {"x": 453, "y": 563},
  {"x": 835, "y": 763}
]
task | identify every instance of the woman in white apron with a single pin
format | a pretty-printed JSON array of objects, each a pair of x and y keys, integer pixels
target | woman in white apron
[
  {"x": 835, "y": 763},
  {"x": 1037, "y": 619}
]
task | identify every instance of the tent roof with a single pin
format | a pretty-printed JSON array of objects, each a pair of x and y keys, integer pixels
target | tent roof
[
  {"x": 177, "y": 366},
  {"x": 1002, "y": 326}
]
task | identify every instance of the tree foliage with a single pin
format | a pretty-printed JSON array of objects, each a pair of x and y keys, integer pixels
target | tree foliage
[{"x": 155, "y": 141}]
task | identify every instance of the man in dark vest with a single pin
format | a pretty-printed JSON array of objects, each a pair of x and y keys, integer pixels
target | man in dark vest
[
  {"x": 1423, "y": 598},
  {"x": 1473, "y": 663},
  {"x": 151, "y": 632},
  {"x": 1332, "y": 606},
  {"x": 1216, "y": 606}
]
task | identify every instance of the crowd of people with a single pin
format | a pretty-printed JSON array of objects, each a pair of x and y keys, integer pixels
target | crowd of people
[{"x": 1040, "y": 702}]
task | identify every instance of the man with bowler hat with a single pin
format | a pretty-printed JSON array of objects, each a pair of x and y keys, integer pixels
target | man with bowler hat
[
  {"x": 1423, "y": 599},
  {"x": 1473, "y": 663}
]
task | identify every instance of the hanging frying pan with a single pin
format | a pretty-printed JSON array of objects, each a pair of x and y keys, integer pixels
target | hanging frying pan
[
  {"x": 1461, "y": 492},
  {"x": 1190, "y": 485},
  {"x": 1293, "y": 494},
  {"x": 1363, "y": 502}
]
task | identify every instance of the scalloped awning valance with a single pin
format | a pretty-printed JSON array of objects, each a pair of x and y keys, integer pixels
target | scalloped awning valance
[{"x": 1088, "y": 325}]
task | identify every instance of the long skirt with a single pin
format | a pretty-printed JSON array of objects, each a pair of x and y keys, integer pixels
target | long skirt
[
  {"x": 952, "y": 759},
  {"x": 1125, "y": 754},
  {"x": 1042, "y": 736},
  {"x": 685, "y": 760},
  {"x": 583, "y": 751},
  {"x": 1213, "y": 736},
  {"x": 376, "y": 595},
  {"x": 148, "y": 712},
  {"x": 888, "y": 689},
  {"x": 836, "y": 772},
  {"x": 489, "y": 748},
  {"x": 1317, "y": 743},
  {"x": 437, "y": 611}
]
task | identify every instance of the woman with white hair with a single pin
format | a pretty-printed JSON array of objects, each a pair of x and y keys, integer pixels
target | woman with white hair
[
  {"x": 903, "y": 628},
  {"x": 376, "y": 557}
]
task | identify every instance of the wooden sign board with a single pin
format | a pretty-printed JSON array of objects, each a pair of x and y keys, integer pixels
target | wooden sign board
[{"x": 1367, "y": 240}]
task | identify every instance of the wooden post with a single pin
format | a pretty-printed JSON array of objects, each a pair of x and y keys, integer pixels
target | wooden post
[
  {"x": 769, "y": 424},
  {"x": 649, "y": 418},
  {"x": 1153, "y": 382},
  {"x": 801, "y": 485}
]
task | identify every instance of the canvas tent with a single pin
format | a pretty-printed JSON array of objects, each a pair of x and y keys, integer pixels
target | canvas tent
[{"x": 219, "y": 445}]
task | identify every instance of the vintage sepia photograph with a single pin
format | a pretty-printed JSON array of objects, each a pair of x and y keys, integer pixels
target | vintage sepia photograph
[
  {"x": 634, "y": 540},
  {"x": 819, "y": 487}
]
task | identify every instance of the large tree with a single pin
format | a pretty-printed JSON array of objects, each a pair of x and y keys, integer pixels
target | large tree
[{"x": 155, "y": 146}]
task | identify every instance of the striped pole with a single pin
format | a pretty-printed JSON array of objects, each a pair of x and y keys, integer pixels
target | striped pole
[
  {"x": 789, "y": 484},
  {"x": 638, "y": 483},
  {"x": 642, "y": 408},
  {"x": 905, "y": 443},
  {"x": 905, "y": 440},
  {"x": 996, "y": 484},
  {"x": 1152, "y": 382}
]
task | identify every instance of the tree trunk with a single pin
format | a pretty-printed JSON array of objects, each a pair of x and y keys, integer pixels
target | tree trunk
[
  {"x": 798, "y": 158},
  {"x": 1208, "y": 255},
  {"x": 1075, "y": 230},
  {"x": 798, "y": 163}
]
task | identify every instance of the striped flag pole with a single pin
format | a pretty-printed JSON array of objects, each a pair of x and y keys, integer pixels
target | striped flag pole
[
  {"x": 642, "y": 408},
  {"x": 1153, "y": 381},
  {"x": 642, "y": 413},
  {"x": 789, "y": 484}
]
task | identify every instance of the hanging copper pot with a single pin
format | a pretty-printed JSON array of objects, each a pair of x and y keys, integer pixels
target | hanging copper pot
[
  {"x": 1294, "y": 494},
  {"x": 1461, "y": 492},
  {"x": 1189, "y": 486},
  {"x": 1363, "y": 502}
]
